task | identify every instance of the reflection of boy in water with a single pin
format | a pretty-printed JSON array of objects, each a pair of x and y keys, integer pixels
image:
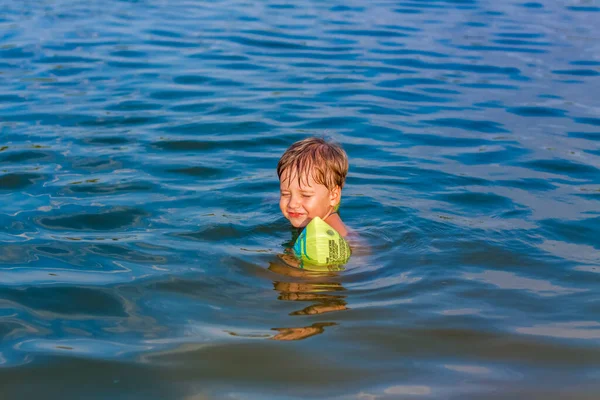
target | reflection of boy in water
[
  {"x": 312, "y": 287},
  {"x": 312, "y": 173}
]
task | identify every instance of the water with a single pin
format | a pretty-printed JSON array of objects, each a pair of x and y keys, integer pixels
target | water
[{"x": 140, "y": 228}]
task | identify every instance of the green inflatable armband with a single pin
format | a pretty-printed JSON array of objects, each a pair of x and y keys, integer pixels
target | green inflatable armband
[{"x": 320, "y": 244}]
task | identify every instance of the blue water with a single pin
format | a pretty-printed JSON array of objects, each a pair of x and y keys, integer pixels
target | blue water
[{"x": 140, "y": 229}]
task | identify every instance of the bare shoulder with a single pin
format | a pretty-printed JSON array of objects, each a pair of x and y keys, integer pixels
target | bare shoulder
[
  {"x": 358, "y": 245},
  {"x": 336, "y": 223}
]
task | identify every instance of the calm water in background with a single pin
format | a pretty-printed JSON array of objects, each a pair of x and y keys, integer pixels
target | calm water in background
[{"x": 139, "y": 224}]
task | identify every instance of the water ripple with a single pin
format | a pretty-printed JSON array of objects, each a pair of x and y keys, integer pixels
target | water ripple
[{"x": 114, "y": 219}]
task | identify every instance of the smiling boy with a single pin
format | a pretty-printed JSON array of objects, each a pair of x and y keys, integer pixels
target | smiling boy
[{"x": 312, "y": 173}]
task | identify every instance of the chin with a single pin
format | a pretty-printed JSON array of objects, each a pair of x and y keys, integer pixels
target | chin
[{"x": 299, "y": 224}]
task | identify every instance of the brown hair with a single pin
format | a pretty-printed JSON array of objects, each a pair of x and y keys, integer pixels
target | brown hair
[{"x": 327, "y": 162}]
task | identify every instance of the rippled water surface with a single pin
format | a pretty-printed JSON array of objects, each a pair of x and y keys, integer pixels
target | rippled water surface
[{"x": 140, "y": 229}]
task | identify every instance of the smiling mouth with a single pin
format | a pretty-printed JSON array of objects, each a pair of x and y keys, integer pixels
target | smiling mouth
[{"x": 294, "y": 215}]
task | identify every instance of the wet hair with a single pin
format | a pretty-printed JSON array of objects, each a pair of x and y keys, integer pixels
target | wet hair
[{"x": 327, "y": 162}]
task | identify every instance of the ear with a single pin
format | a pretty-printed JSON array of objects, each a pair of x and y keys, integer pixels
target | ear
[{"x": 335, "y": 195}]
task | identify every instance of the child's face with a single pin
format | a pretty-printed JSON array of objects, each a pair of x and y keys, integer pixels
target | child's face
[{"x": 301, "y": 202}]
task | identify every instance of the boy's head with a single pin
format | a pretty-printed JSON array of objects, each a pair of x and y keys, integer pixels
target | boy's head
[{"x": 312, "y": 173}]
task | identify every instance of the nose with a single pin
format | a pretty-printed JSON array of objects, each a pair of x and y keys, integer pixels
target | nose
[{"x": 294, "y": 202}]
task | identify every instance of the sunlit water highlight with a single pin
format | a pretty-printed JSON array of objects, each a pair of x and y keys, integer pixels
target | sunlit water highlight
[{"x": 140, "y": 232}]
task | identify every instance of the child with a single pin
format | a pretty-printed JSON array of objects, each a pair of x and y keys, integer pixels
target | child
[{"x": 311, "y": 174}]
